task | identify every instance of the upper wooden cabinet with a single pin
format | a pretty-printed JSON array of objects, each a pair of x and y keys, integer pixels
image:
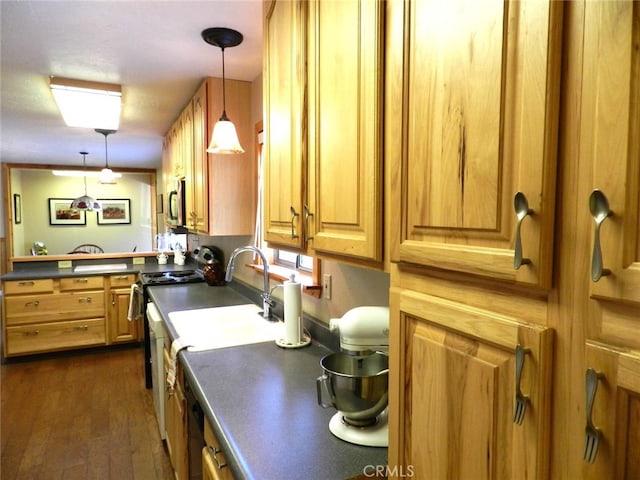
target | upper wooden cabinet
[
  {"x": 478, "y": 85},
  {"x": 610, "y": 142},
  {"x": 285, "y": 124},
  {"x": 345, "y": 81},
  {"x": 323, "y": 87},
  {"x": 221, "y": 190}
]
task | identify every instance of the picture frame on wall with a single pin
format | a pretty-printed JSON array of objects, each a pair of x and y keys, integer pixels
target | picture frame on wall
[
  {"x": 61, "y": 213},
  {"x": 114, "y": 211},
  {"x": 17, "y": 208}
]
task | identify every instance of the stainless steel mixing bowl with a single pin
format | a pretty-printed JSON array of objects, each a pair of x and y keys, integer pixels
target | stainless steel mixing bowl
[{"x": 357, "y": 386}]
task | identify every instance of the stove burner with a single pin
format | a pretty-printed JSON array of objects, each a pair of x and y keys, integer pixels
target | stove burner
[{"x": 166, "y": 278}]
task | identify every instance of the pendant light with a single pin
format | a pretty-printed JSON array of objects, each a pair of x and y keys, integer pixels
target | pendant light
[
  {"x": 106, "y": 174},
  {"x": 85, "y": 202},
  {"x": 224, "y": 138}
]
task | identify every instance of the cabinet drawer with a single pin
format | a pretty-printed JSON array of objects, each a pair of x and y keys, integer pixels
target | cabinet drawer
[
  {"x": 43, "y": 285},
  {"x": 54, "y": 336},
  {"x": 81, "y": 283},
  {"x": 122, "y": 280},
  {"x": 54, "y": 307}
]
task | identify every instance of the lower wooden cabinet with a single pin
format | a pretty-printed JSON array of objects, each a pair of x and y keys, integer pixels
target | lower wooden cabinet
[
  {"x": 214, "y": 463},
  {"x": 120, "y": 328},
  {"x": 53, "y": 314},
  {"x": 175, "y": 416},
  {"x": 454, "y": 396},
  {"x": 615, "y": 412}
]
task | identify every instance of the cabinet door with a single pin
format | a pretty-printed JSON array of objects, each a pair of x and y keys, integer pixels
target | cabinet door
[
  {"x": 615, "y": 413},
  {"x": 345, "y": 127},
  {"x": 452, "y": 403},
  {"x": 198, "y": 217},
  {"x": 285, "y": 122},
  {"x": 610, "y": 141},
  {"x": 120, "y": 328},
  {"x": 479, "y": 124}
]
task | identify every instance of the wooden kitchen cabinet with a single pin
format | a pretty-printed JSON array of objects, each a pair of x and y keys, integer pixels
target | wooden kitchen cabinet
[
  {"x": 478, "y": 124},
  {"x": 454, "y": 321},
  {"x": 323, "y": 148},
  {"x": 220, "y": 190},
  {"x": 214, "y": 463},
  {"x": 285, "y": 123},
  {"x": 455, "y": 391},
  {"x": 176, "y": 423},
  {"x": 120, "y": 328},
  {"x": 53, "y": 314}
]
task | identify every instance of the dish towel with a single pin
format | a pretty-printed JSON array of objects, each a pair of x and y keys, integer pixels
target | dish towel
[
  {"x": 177, "y": 345},
  {"x": 135, "y": 303}
]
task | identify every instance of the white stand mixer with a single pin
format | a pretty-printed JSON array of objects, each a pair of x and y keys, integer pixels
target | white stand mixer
[{"x": 356, "y": 379}]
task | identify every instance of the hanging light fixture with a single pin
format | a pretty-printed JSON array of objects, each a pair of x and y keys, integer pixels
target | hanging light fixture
[
  {"x": 85, "y": 202},
  {"x": 224, "y": 138},
  {"x": 106, "y": 174}
]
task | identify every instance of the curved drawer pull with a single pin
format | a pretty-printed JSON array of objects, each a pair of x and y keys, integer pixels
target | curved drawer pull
[
  {"x": 31, "y": 333},
  {"x": 592, "y": 433},
  {"x": 85, "y": 300},
  {"x": 522, "y": 209},
  {"x": 27, "y": 283},
  {"x": 521, "y": 399},
  {"x": 307, "y": 214},
  {"x": 214, "y": 453},
  {"x": 294, "y": 214},
  {"x": 81, "y": 327},
  {"x": 599, "y": 208},
  {"x": 80, "y": 280},
  {"x": 35, "y": 303}
]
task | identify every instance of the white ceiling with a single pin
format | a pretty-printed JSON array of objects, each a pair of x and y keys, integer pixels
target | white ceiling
[{"x": 152, "y": 48}]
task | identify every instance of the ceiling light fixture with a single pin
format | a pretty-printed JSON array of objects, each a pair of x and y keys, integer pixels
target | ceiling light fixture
[
  {"x": 85, "y": 202},
  {"x": 106, "y": 175},
  {"x": 87, "y": 104},
  {"x": 224, "y": 138}
]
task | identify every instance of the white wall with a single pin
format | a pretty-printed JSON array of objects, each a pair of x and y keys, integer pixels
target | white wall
[{"x": 37, "y": 186}]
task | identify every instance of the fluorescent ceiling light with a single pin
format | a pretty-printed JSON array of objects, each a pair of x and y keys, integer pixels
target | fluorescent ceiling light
[
  {"x": 88, "y": 104},
  {"x": 82, "y": 173}
]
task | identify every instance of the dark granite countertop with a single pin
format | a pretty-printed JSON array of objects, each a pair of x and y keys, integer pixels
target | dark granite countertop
[
  {"x": 33, "y": 271},
  {"x": 261, "y": 400}
]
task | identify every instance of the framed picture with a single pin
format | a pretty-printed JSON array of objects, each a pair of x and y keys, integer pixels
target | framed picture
[
  {"x": 114, "y": 211},
  {"x": 61, "y": 214},
  {"x": 17, "y": 208}
]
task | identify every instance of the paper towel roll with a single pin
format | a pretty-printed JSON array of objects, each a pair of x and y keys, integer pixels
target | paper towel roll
[{"x": 292, "y": 311}]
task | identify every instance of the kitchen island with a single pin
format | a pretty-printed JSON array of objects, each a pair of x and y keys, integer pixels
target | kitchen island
[{"x": 261, "y": 401}]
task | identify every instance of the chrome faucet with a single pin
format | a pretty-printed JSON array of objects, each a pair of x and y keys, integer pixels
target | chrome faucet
[{"x": 267, "y": 303}]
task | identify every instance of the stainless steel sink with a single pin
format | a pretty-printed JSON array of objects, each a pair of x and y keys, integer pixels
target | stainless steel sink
[{"x": 220, "y": 327}]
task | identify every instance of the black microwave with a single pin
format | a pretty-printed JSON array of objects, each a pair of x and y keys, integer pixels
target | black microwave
[{"x": 177, "y": 208}]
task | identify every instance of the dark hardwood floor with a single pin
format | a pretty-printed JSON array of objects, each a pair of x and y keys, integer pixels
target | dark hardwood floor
[{"x": 81, "y": 416}]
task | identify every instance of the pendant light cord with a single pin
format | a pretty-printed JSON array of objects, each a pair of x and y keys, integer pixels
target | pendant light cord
[
  {"x": 224, "y": 95},
  {"x": 106, "y": 152}
]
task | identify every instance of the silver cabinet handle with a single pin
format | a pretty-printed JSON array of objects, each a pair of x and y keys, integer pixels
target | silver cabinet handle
[
  {"x": 31, "y": 333},
  {"x": 80, "y": 280},
  {"x": 81, "y": 327},
  {"x": 592, "y": 433},
  {"x": 599, "y": 208},
  {"x": 307, "y": 214},
  {"x": 294, "y": 214},
  {"x": 29, "y": 283},
  {"x": 35, "y": 303},
  {"x": 521, "y": 399},
  {"x": 522, "y": 209},
  {"x": 85, "y": 300}
]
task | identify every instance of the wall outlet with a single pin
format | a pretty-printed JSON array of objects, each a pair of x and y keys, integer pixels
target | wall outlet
[
  {"x": 138, "y": 260},
  {"x": 64, "y": 264},
  {"x": 326, "y": 286}
]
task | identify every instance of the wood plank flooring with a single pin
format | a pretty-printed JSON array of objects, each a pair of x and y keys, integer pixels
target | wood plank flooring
[{"x": 85, "y": 416}]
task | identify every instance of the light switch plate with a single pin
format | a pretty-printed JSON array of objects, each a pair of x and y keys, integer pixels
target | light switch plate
[
  {"x": 138, "y": 260},
  {"x": 65, "y": 264}
]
